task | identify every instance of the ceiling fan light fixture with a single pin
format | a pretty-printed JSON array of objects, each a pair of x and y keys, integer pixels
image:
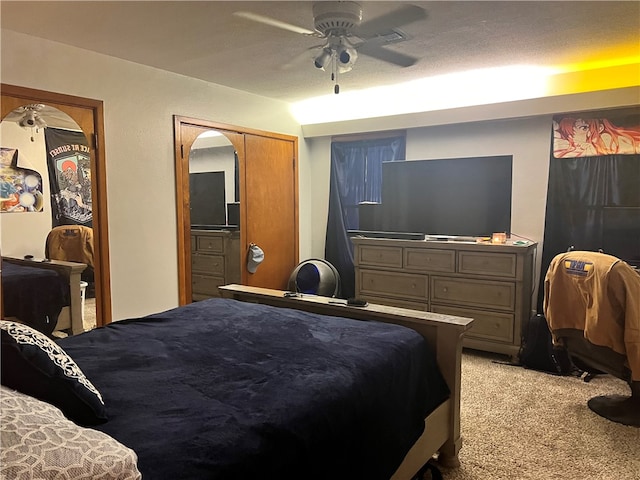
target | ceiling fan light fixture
[
  {"x": 28, "y": 120},
  {"x": 322, "y": 60},
  {"x": 346, "y": 57},
  {"x": 32, "y": 119}
]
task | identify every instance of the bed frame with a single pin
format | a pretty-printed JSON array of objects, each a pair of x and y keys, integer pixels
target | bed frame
[
  {"x": 70, "y": 317},
  {"x": 443, "y": 333}
]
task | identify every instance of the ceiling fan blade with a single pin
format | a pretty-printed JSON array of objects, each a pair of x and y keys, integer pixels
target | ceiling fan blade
[
  {"x": 389, "y": 56},
  {"x": 396, "y": 18},
  {"x": 275, "y": 23}
]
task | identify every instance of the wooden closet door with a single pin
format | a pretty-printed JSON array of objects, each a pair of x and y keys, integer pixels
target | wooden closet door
[{"x": 270, "y": 198}]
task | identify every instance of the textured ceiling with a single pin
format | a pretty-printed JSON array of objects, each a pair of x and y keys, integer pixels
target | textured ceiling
[{"x": 204, "y": 40}]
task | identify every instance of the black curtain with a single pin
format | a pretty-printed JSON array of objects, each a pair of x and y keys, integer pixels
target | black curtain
[
  {"x": 592, "y": 203},
  {"x": 356, "y": 176}
]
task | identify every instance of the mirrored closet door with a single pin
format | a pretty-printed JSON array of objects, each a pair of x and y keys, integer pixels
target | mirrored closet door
[
  {"x": 214, "y": 211},
  {"x": 70, "y": 186}
]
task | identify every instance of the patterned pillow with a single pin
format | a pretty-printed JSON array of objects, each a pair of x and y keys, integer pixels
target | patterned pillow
[
  {"x": 37, "y": 441},
  {"x": 34, "y": 364}
]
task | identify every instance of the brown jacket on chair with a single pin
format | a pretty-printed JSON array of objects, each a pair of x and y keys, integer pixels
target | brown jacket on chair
[
  {"x": 71, "y": 243},
  {"x": 600, "y": 295}
]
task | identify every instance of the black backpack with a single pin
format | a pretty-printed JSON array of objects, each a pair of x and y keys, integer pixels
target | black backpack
[{"x": 538, "y": 352}]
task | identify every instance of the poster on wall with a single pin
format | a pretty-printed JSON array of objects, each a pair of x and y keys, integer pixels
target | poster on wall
[
  {"x": 589, "y": 135},
  {"x": 20, "y": 188},
  {"x": 69, "y": 164}
]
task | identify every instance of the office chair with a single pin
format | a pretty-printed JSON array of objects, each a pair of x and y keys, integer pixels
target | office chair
[
  {"x": 592, "y": 307},
  {"x": 72, "y": 243}
]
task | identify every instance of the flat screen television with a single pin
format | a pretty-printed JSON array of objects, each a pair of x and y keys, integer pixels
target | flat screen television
[
  {"x": 207, "y": 198},
  {"x": 458, "y": 196}
]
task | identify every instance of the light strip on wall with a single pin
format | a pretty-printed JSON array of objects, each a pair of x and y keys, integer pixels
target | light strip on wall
[{"x": 476, "y": 87}]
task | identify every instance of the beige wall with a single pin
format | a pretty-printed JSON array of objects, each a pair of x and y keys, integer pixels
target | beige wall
[{"x": 139, "y": 103}]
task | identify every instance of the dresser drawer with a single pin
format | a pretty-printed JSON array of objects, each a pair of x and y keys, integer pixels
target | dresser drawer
[
  {"x": 206, "y": 285},
  {"x": 210, "y": 264},
  {"x": 494, "y": 326},
  {"x": 430, "y": 260},
  {"x": 209, "y": 244},
  {"x": 380, "y": 256},
  {"x": 487, "y": 264},
  {"x": 481, "y": 293},
  {"x": 391, "y": 284}
]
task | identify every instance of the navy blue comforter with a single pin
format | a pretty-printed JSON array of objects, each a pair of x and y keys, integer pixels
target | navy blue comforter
[
  {"x": 223, "y": 389},
  {"x": 34, "y": 295}
]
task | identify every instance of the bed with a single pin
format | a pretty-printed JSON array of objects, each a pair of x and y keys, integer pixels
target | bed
[
  {"x": 34, "y": 289},
  {"x": 259, "y": 385}
]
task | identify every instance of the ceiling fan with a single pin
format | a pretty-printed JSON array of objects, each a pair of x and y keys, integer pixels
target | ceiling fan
[
  {"x": 28, "y": 117},
  {"x": 340, "y": 25}
]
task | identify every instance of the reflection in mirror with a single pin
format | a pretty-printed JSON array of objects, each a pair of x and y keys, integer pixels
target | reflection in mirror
[
  {"x": 45, "y": 182},
  {"x": 213, "y": 179},
  {"x": 215, "y": 214}
]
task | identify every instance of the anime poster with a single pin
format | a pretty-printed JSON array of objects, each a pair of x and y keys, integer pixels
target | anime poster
[
  {"x": 20, "y": 188},
  {"x": 69, "y": 162},
  {"x": 591, "y": 135}
]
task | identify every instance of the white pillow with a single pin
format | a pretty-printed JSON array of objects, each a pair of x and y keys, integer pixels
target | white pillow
[{"x": 38, "y": 441}]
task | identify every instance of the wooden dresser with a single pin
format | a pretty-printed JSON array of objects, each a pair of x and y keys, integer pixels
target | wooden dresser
[
  {"x": 493, "y": 284},
  {"x": 215, "y": 261}
]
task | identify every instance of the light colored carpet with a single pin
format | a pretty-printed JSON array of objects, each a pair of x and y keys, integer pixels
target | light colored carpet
[
  {"x": 89, "y": 319},
  {"x": 520, "y": 424}
]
